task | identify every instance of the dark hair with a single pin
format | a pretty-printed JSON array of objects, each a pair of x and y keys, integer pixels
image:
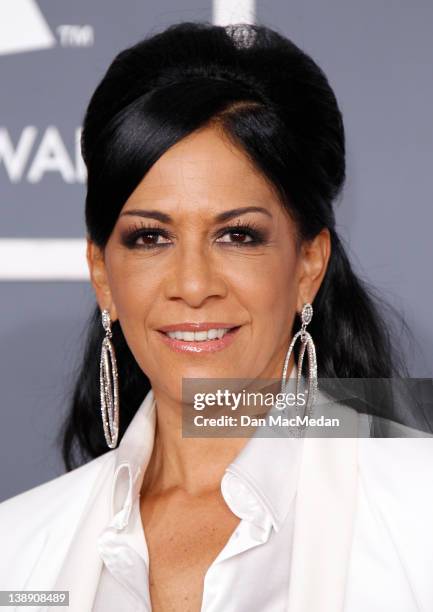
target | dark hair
[{"x": 273, "y": 101}]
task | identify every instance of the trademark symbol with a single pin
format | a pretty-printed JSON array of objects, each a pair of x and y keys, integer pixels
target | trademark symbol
[{"x": 76, "y": 35}]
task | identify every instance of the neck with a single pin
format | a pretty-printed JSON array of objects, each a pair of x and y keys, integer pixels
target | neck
[{"x": 193, "y": 465}]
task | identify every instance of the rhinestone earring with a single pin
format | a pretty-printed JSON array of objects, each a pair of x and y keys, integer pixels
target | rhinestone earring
[
  {"x": 307, "y": 344},
  {"x": 109, "y": 385}
]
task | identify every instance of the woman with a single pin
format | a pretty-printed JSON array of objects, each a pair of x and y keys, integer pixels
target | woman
[{"x": 214, "y": 156}]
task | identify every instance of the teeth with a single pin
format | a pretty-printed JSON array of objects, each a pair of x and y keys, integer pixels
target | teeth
[{"x": 198, "y": 336}]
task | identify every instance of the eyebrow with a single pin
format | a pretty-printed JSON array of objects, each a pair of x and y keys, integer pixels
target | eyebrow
[{"x": 221, "y": 217}]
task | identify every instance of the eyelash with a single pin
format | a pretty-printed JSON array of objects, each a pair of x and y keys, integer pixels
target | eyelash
[{"x": 136, "y": 231}]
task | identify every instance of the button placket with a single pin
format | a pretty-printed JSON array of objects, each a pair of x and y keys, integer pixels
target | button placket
[{"x": 124, "y": 562}]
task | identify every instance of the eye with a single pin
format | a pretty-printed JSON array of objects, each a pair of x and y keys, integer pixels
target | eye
[
  {"x": 245, "y": 234},
  {"x": 240, "y": 237},
  {"x": 150, "y": 238},
  {"x": 146, "y": 237}
]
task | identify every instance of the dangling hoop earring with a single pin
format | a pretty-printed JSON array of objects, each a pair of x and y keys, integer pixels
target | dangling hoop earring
[
  {"x": 307, "y": 344},
  {"x": 109, "y": 385}
]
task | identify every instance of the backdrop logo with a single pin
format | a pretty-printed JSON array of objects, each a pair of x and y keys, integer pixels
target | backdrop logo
[
  {"x": 33, "y": 157},
  {"x": 23, "y": 27}
]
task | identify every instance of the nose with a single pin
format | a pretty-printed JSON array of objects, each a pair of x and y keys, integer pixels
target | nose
[{"x": 195, "y": 275}]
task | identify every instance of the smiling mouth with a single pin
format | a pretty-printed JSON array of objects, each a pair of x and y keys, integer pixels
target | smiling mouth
[
  {"x": 201, "y": 336},
  {"x": 211, "y": 340}
]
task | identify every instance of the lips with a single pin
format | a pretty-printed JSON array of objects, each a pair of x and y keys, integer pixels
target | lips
[
  {"x": 199, "y": 346},
  {"x": 196, "y": 326}
]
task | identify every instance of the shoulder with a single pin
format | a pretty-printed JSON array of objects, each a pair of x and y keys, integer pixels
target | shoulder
[
  {"x": 397, "y": 470},
  {"x": 398, "y": 462},
  {"x": 38, "y": 525},
  {"x": 396, "y": 476},
  {"x": 62, "y": 495},
  {"x": 403, "y": 455}
]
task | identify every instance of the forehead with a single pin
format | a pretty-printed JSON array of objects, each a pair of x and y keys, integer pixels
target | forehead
[{"x": 204, "y": 167}]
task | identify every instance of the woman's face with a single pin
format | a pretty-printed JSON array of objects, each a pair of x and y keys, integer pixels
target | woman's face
[{"x": 177, "y": 256}]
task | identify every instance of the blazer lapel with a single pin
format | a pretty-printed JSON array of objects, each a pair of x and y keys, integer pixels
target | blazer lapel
[
  {"x": 81, "y": 569},
  {"x": 325, "y": 508}
]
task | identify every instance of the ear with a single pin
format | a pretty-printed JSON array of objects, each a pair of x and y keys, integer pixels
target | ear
[
  {"x": 314, "y": 262},
  {"x": 99, "y": 279}
]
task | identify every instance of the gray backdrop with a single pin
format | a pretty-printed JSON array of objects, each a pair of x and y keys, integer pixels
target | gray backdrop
[{"x": 377, "y": 56}]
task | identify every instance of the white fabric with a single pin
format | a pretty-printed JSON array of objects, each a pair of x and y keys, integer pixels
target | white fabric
[
  {"x": 362, "y": 535},
  {"x": 258, "y": 486}
]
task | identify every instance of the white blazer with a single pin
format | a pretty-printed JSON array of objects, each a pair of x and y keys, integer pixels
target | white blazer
[{"x": 363, "y": 535}]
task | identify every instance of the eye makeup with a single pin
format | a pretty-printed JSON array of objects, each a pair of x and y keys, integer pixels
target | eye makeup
[{"x": 251, "y": 235}]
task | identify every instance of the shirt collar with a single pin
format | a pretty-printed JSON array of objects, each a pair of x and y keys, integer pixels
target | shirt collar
[
  {"x": 267, "y": 466},
  {"x": 133, "y": 455}
]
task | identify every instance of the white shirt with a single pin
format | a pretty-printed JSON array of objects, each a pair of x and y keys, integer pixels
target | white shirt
[
  {"x": 362, "y": 538},
  {"x": 251, "y": 572}
]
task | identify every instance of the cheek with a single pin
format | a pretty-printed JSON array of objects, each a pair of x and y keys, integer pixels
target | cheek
[
  {"x": 268, "y": 290},
  {"x": 133, "y": 288},
  {"x": 267, "y": 293},
  {"x": 135, "y": 294}
]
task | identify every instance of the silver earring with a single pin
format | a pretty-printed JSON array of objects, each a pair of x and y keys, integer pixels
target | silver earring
[
  {"x": 307, "y": 344},
  {"x": 109, "y": 385}
]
